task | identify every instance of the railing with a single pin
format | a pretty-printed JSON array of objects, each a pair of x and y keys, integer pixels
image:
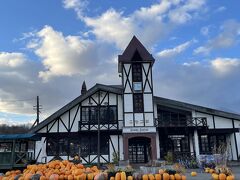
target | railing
[{"x": 187, "y": 122}]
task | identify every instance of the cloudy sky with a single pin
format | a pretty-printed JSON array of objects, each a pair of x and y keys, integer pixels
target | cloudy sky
[{"x": 48, "y": 48}]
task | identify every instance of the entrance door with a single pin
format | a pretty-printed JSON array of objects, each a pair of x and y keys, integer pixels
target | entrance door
[{"x": 139, "y": 150}]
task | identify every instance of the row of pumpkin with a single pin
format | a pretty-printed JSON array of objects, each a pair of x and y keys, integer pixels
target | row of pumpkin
[{"x": 65, "y": 170}]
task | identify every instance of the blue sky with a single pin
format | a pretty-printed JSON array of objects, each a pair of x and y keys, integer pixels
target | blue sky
[{"x": 48, "y": 48}]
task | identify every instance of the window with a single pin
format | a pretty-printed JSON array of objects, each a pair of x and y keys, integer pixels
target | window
[
  {"x": 5, "y": 147},
  {"x": 138, "y": 103},
  {"x": 204, "y": 145},
  {"x": 108, "y": 114},
  {"x": 137, "y": 72},
  {"x": 63, "y": 146},
  {"x": 52, "y": 147}
]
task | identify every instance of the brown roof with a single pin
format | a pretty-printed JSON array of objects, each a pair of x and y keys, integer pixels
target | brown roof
[{"x": 135, "y": 46}]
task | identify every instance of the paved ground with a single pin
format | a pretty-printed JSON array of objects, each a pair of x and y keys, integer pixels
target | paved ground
[{"x": 205, "y": 176}]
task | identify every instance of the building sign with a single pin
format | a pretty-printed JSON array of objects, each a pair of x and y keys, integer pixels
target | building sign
[{"x": 139, "y": 129}]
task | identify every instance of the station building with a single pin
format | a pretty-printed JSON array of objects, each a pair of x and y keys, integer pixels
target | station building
[{"x": 132, "y": 122}]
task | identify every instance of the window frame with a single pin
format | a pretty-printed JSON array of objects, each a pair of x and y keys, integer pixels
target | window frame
[{"x": 138, "y": 104}]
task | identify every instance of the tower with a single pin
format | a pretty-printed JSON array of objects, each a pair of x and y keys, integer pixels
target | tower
[{"x": 139, "y": 131}]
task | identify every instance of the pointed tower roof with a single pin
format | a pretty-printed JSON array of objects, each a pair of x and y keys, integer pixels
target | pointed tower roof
[
  {"x": 84, "y": 88},
  {"x": 135, "y": 48}
]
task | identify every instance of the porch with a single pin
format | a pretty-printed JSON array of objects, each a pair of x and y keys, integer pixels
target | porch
[{"x": 17, "y": 150}]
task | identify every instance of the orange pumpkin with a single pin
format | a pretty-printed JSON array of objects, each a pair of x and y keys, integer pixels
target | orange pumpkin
[
  {"x": 184, "y": 177},
  {"x": 70, "y": 177},
  {"x": 129, "y": 178},
  {"x": 118, "y": 176},
  {"x": 54, "y": 177},
  {"x": 177, "y": 176},
  {"x": 166, "y": 176},
  {"x": 90, "y": 176},
  {"x": 158, "y": 177},
  {"x": 171, "y": 177},
  {"x": 231, "y": 177},
  {"x": 215, "y": 176},
  {"x": 161, "y": 171},
  {"x": 222, "y": 176},
  {"x": 112, "y": 178},
  {"x": 123, "y": 176},
  {"x": 43, "y": 178},
  {"x": 144, "y": 177}
]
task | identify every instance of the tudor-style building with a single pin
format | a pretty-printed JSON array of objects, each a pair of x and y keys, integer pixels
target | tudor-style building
[{"x": 132, "y": 122}]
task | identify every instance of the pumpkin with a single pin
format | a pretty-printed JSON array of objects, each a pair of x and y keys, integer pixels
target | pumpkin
[
  {"x": 144, "y": 177},
  {"x": 184, "y": 177},
  {"x": 123, "y": 176},
  {"x": 211, "y": 171},
  {"x": 118, "y": 176},
  {"x": 158, "y": 177},
  {"x": 54, "y": 177},
  {"x": 166, "y": 176},
  {"x": 69, "y": 177},
  {"x": 177, "y": 176},
  {"x": 112, "y": 178},
  {"x": 43, "y": 178},
  {"x": 61, "y": 177},
  {"x": 222, "y": 176},
  {"x": 161, "y": 171},
  {"x": 129, "y": 178},
  {"x": 151, "y": 177},
  {"x": 28, "y": 176},
  {"x": 215, "y": 176},
  {"x": 90, "y": 176},
  {"x": 231, "y": 177},
  {"x": 171, "y": 177},
  {"x": 193, "y": 173}
]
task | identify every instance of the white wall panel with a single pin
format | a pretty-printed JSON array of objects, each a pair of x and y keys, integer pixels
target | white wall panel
[
  {"x": 112, "y": 99},
  {"x": 128, "y": 103},
  {"x": 53, "y": 127},
  {"x": 221, "y": 122},
  {"x": 237, "y": 124},
  {"x": 129, "y": 119},
  {"x": 148, "y": 102},
  {"x": 120, "y": 108},
  {"x": 114, "y": 139},
  {"x": 149, "y": 121},
  {"x": 121, "y": 154},
  {"x": 139, "y": 121}
]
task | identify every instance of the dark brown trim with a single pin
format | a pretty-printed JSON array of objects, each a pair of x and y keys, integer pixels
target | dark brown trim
[
  {"x": 213, "y": 122},
  {"x": 235, "y": 139}
]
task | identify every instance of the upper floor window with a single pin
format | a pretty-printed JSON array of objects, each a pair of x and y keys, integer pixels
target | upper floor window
[
  {"x": 137, "y": 72},
  {"x": 108, "y": 114},
  {"x": 138, "y": 102}
]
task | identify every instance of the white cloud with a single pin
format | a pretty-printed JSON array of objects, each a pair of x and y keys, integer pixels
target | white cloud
[
  {"x": 67, "y": 55},
  {"x": 225, "y": 65},
  {"x": 150, "y": 23},
  {"x": 167, "y": 53},
  {"x": 205, "y": 30},
  {"x": 11, "y": 60},
  {"x": 183, "y": 13},
  {"x": 77, "y": 5},
  {"x": 225, "y": 39},
  {"x": 220, "y": 9},
  {"x": 193, "y": 63}
]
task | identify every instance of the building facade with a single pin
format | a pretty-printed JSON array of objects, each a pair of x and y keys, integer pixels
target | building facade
[{"x": 129, "y": 121}]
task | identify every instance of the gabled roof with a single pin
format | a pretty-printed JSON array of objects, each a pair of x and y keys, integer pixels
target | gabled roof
[
  {"x": 135, "y": 46},
  {"x": 190, "y": 107},
  {"x": 109, "y": 88}
]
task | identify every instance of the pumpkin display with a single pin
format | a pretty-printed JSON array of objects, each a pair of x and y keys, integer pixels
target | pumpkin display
[
  {"x": 211, "y": 171},
  {"x": 193, "y": 173}
]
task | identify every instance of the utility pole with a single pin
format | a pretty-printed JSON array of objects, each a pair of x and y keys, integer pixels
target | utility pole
[{"x": 37, "y": 108}]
